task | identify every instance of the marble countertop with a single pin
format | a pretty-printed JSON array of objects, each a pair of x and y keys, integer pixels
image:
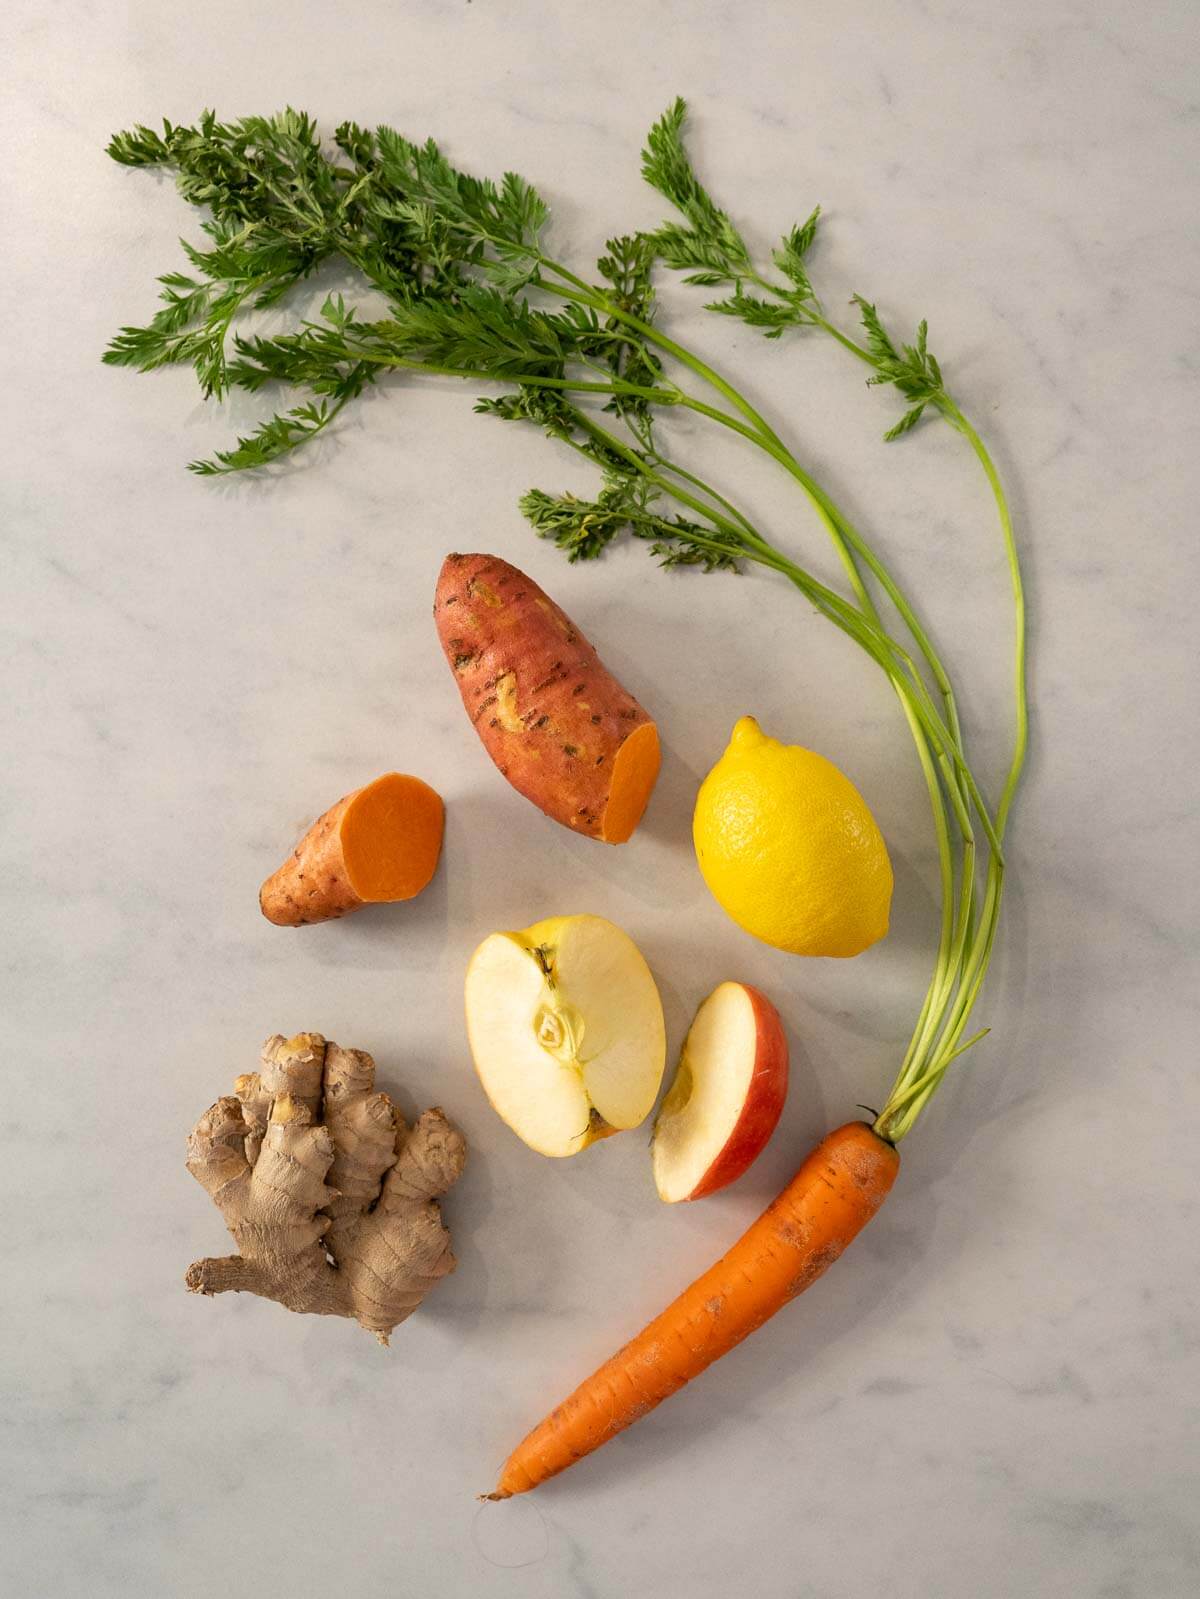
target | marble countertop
[{"x": 990, "y": 1395}]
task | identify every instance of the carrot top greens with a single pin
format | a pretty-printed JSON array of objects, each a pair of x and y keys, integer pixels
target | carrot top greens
[{"x": 473, "y": 292}]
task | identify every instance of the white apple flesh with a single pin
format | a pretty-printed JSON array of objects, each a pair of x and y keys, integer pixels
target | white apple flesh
[
  {"x": 566, "y": 1031},
  {"x": 726, "y": 1095}
]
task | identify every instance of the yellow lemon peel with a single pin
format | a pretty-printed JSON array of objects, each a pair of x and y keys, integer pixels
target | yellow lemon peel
[{"x": 789, "y": 848}]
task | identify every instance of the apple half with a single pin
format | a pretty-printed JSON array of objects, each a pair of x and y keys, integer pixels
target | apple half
[
  {"x": 566, "y": 1031},
  {"x": 726, "y": 1095}
]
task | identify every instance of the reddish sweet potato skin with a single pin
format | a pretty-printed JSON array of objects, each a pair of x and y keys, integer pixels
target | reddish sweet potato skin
[
  {"x": 312, "y": 885},
  {"x": 548, "y": 712}
]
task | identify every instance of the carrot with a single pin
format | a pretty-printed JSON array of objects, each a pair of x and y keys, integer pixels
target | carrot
[
  {"x": 559, "y": 726},
  {"x": 831, "y": 1198},
  {"x": 379, "y": 844}
]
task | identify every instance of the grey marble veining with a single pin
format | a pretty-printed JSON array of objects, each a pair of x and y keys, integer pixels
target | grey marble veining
[{"x": 996, "y": 1393}]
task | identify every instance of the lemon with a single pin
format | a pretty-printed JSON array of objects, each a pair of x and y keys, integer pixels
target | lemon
[{"x": 789, "y": 849}]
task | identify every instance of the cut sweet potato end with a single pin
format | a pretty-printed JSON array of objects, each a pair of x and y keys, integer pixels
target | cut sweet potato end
[
  {"x": 635, "y": 771},
  {"x": 391, "y": 837}
]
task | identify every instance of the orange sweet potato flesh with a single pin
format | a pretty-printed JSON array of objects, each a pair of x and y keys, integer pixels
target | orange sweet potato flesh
[
  {"x": 379, "y": 844},
  {"x": 559, "y": 726}
]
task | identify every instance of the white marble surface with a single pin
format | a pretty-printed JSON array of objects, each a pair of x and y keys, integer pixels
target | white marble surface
[{"x": 996, "y": 1392}]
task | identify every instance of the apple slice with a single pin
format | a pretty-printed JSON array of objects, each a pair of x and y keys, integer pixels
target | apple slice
[
  {"x": 566, "y": 1031},
  {"x": 725, "y": 1097}
]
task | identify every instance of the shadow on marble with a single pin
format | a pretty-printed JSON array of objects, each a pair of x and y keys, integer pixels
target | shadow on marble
[
  {"x": 414, "y": 933},
  {"x": 668, "y": 818}
]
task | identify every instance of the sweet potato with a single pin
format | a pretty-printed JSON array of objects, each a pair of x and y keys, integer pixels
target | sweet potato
[
  {"x": 561, "y": 729},
  {"x": 379, "y": 844}
]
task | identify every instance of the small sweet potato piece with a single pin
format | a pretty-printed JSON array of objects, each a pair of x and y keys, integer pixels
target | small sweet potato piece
[
  {"x": 379, "y": 844},
  {"x": 560, "y": 727}
]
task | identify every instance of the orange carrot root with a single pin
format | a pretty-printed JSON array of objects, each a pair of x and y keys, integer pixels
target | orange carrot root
[
  {"x": 831, "y": 1198},
  {"x": 377, "y": 845}
]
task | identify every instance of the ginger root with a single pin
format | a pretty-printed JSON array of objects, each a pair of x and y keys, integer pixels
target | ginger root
[{"x": 330, "y": 1196}]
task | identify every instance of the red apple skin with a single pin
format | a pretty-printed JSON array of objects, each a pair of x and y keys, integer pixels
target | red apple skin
[{"x": 763, "y": 1104}]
